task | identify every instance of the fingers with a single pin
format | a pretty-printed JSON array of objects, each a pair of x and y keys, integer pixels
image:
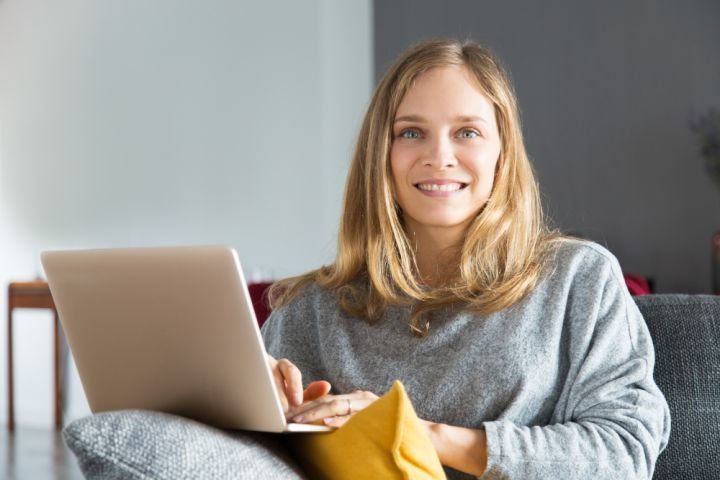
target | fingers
[
  {"x": 336, "y": 422},
  {"x": 279, "y": 385},
  {"x": 333, "y": 406},
  {"x": 293, "y": 381},
  {"x": 316, "y": 390},
  {"x": 288, "y": 382},
  {"x": 322, "y": 408}
]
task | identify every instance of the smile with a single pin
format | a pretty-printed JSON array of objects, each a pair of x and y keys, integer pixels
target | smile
[{"x": 441, "y": 187}]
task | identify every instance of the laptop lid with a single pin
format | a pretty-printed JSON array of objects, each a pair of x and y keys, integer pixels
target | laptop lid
[{"x": 167, "y": 329}]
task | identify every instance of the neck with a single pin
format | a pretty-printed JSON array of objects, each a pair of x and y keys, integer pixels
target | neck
[{"x": 437, "y": 251}]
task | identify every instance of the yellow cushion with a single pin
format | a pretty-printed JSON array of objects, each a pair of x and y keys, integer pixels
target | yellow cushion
[{"x": 384, "y": 440}]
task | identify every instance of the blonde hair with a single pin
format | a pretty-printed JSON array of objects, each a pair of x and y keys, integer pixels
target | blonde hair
[{"x": 501, "y": 258}]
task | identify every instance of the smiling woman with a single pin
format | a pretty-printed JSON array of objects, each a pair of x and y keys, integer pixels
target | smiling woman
[
  {"x": 525, "y": 355},
  {"x": 495, "y": 246}
]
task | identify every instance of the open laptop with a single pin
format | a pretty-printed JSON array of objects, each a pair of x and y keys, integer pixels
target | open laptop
[{"x": 167, "y": 329}]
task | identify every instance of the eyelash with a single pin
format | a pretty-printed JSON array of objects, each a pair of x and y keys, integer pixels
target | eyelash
[
  {"x": 404, "y": 133},
  {"x": 462, "y": 131},
  {"x": 469, "y": 130}
]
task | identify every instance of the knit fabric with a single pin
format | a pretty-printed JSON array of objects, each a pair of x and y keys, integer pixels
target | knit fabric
[
  {"x": 562, "y": 381},
  {"x": 144, "y": 445}
]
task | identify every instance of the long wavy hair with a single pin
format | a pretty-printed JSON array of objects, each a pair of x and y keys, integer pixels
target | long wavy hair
[{"x": 504, "y": 248}]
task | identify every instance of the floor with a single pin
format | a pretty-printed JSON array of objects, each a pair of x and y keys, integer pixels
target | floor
[{"x": 30, "y": 454}]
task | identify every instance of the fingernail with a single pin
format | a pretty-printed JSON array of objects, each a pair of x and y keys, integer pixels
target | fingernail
[
  {"x": 298, "y": 419},
  {"x": 327, "y": 420}
]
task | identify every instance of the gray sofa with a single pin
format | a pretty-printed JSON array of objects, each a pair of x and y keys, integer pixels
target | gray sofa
[
  {"x": 686, "y": 333},
  {"x": 149, "y": 445}
]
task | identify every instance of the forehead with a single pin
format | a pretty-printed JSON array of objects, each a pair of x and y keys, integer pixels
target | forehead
[{"x": 451, "y": 90}]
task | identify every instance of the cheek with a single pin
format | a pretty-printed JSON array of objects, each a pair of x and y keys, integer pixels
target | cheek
[
  {"x": 481, "y": 160},
  {"x": 399, "y": 168},
  {"x": 484, "y": 166},
  {"x": 490, "y": 174},
  {"x": 492, "y": 177},
  {"x": 491, "y": 168}
]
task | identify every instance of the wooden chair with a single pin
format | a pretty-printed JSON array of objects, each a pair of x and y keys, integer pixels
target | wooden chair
[{"x": 32, "y": 295}]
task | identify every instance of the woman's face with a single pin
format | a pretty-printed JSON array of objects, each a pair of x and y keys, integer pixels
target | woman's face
[{"x": 444, "y": 151}]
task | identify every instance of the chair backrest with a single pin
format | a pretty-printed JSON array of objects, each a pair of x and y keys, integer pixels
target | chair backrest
[
  {"x": 686, "y": 332},
  {"x": 259, "y": 300}
]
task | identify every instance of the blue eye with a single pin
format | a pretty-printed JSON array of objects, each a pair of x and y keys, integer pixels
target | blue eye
[
  {"x": 468, "y": 134},
  {"x": 410, "y": 134}
]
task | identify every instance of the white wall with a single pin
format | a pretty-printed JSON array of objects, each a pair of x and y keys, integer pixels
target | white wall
[{"x": 142, "y": 123}]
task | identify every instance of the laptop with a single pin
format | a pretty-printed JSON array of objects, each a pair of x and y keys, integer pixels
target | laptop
[{"x": 167, "y": 329}]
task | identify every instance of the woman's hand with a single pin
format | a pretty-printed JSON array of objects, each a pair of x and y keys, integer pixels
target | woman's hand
[
  {"x": 288, "y": 382},
  {"x": 333, "y": 410}
]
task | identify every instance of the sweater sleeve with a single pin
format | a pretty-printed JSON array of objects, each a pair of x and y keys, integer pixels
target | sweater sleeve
[
  {"x": 291, "y": 333},
  {"x": 612, "y": 421}
]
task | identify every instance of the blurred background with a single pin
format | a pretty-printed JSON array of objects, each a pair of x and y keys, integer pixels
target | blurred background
[{"x": 144, "y": 123}]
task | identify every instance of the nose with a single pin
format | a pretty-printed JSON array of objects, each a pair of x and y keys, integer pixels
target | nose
[{"x": 440, "y": 154}]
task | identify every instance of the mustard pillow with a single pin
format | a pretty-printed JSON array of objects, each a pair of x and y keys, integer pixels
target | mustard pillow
[{"x": 384, "y": 440}]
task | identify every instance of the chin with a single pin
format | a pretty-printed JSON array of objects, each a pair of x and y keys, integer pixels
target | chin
[{"x": 444, "y": 222}]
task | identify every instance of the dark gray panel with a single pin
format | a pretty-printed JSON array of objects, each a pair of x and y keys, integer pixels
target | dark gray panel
[{"x": 605, "y": 90}]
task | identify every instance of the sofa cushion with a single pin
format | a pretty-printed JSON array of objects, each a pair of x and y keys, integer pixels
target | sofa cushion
[
  {"x": 686, "y": 332},
  {"x": 384, "y": 440},
  {"x": 136, "y": 444}
]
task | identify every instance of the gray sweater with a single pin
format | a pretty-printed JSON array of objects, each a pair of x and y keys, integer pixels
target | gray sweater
[{"x": 562, "y": 381}]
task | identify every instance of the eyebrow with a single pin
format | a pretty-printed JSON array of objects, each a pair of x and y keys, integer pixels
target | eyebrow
[{"x": 420, "y": 119}]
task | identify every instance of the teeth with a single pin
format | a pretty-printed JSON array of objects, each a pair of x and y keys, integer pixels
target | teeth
[{"x": 448, "y": 187}]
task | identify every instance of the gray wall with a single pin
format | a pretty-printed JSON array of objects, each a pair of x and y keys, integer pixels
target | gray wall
[
  {"x": 139, "y": 123},
  {"x": 605, "y": 90}
]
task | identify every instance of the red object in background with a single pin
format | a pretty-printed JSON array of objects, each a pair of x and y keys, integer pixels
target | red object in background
[
  {"x": 259, "y": 301},
  {"x": 637, "y": 284}
]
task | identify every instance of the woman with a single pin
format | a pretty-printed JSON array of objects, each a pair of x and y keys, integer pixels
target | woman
[{"x": 521, "y": 350}]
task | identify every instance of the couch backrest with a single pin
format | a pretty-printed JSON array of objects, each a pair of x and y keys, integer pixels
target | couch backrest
[
  {"x": 258, "y": 295},
  {"x": 686, "y": 332}
]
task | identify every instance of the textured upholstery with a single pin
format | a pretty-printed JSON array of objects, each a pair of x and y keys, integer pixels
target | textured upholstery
[
  {"x": 686, "y": 333},
  {"x": 135, "y": 445}
]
